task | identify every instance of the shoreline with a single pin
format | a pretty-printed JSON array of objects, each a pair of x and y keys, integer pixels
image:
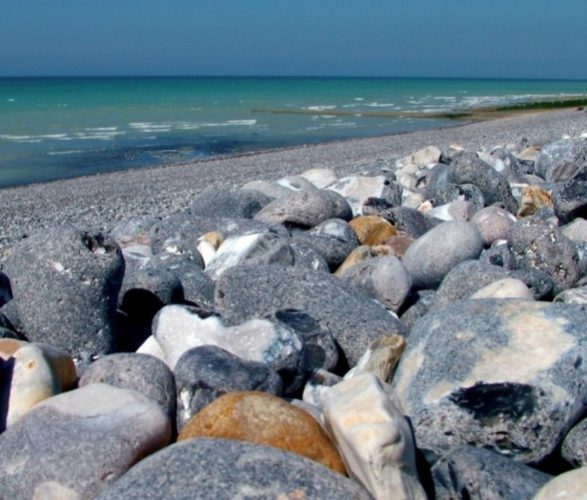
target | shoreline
[{"x": 99, "y": 201}]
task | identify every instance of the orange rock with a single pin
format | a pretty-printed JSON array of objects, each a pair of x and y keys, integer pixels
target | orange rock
[
  {"x": 533, "y": 198},
  {"x": 261, "y": 418},
  {"x": 397, "y": 245},
  {"x": 372, "y": 229}
]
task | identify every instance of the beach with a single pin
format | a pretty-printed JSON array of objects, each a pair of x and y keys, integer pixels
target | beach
[{"x": 99, "y": 201}]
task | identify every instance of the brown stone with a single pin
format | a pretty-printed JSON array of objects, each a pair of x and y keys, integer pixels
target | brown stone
[
  {"x": 397, "y": 245},
  {"x": 262, "y": 418},
  {"x": 533, "y": 198},
  {"x": 372, "y": 229},
  {"x": 9, "y": 346}
]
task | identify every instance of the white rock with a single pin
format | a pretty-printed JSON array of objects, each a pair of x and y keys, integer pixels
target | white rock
[
  {"x": 177, "y": 329},
  {"x": 373, "y": 437},
  {"x": 571, "y": 485},
  {"x": 507, "y": 288},
  {"x": 295, "y": 183},
  {"x": 269, "y": 189},
  {"x": 152, "y": 347},
  {"x": 455, "y": 210},
  {"x": 421, "y": 158},
  {"x": 357, "y": 188},
  {"x": 320, "y": 177},
  {"x": 576, "y": 230}
]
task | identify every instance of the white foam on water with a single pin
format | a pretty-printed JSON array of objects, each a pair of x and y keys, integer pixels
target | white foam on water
[
  {"x": 380, "y": 104},
  {"x": 247, "y": 123},
  {"x": 359, "y": 98},
  {"x": 11, "y": 100},
  {"x": 66, "y": 152},
  {"x": 319, "y": 108}
]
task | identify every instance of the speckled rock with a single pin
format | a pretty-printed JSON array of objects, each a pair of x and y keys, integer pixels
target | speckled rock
[
  {"x": 215, "y": 202},
  {"x": 574, "y": 448},
  {"x": 417, "y": 305},
  {"x": 308, "y": 257},
  {"x": 469, "y": 472},
  {"x": 554, "y": 156},
  {"x": 358, "y": 188},
  {"x": 433, "y": 255},
  {"x": 138, "y": 372},
  {"x": 571, "y": 485},
  {"x": 372, "y": 229},
  {"x": 518, "y": 385},
  {"x": 576, "y": 230},
  {"x": 408, "y": 220},
  {"x": 66, "y": 283},
  {"x": 449, "y": 193},
  {"x": 304, "y": 208},
  {"x": 573, "y": 296},
  {"x": 223, "y": 468},
  {"x": 383, "y": 278},
  {"x": 262, "y": 418},
  {"x": 207, "y": 372},
  {"x": 79, "y": 442},
  {"x": 354, "y": 320},
  {"x": 539, "y": 244},
  {"x": 570, "y": 197},
  {"x": 538, "y": 282},
  {"x": 494, "y": 223}
]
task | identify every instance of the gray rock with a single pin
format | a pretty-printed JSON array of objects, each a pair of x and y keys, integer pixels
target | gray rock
[
  {"x": 353, "y": 319},
  {"x": 457, "y": 192},
  {"x": 79, "y": 441},
  {"x": 215, "y": 202},
  {"x": 408, "y": 220},
  {"x": 573, "y": 296},
  {"x": 494, "y": 223},
  {"x": 570, "y": 197},
  {"x": 574, "y": 448},
  {"x": 539, "y": 283},
  {"x": 469, "y": 472},
  {"x": 501, "y": 374},
  {"x": 303, "y": 208},
  {"x": 342, "y": 209},
  {"x": 140, "y": 372},
  {"x": 133, "y": 232},
  {"x": 417, "y": 305},
  {"x": 308, "y": 257},
  {"x": 552, "y": 157},
  {"x": 7, "y": 330},
  {"x": 383, "y": 278},
  {"x": 433, "y": 255},
  {"x": 540, "y": 244},
  {"x": 576, "y": 230},
  {"x": 5, "y": 289},
  {"x": 465, "y": 279},
  {"x": 204, "y": 373},
  {"x": 221, "y": 468},
  {"x": 66, "y": 282},
  {"x": 498, "y": 254}
]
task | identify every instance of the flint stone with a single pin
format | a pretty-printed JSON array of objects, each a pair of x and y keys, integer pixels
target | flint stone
[
  {"x": 469, "y": 472},
  {"x": 433, "y": 255},
  {"x": 215, "y": 202},
  {"x": 571, "y": 485},
  {"x": 66, "y": 282},
  {"x": 465, "y": 279},
  {"x": 205, "y": 373},
  {"x": 304, "y": 208},
  {"x": 139, "y": 372},
  {"x": 519, "y": 383},
  {"x": 178, "y": 329},
  {"x": 540, "y": 244},
  {"x": 320, "y": 177},
  {"x": 383, "y": 278},
  {"x": 494, "y": 223},
  {"x": 354, "y": 320},
  {"x": 223, "y": 468},
  {"x": 80, "y": 440},
  {"x": 554, "y": 156},
  {"x": 308, "y": 257},
  {"x": 358, "y": 188},
  {"x": 570, "y": 197},
  {"x": 251, "y": 250}
]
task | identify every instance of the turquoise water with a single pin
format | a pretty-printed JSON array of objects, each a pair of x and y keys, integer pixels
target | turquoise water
[{"x": 53, "y": 128}]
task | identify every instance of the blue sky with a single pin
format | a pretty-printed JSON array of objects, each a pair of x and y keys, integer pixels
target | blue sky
[{"x": 447, "y": 38}]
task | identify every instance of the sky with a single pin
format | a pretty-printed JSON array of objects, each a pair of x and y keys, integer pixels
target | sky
[{"x": 418, "y": 38}]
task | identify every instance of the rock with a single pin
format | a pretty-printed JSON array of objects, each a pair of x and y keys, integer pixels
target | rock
[
  {"x": 449, "y": 193},
  {"x": 250, "y": 249},
  {"x": 304, "y": 208},
  {"x": 539, "y": 283},
  {"x": 254, "y": 471},
  {"x": 215, "y": 202},
  {"x": 342, "y": 209},
  {"x": 507, "y": 288},
  {"x": 208, "y": 244},
  {"x": 295, "y": 183},
  {"x": 320, "y": 177},
  {"x": 570, "y": 197},
  {"x": 207, "y": 372},
  {"x": 33, "y": 373},
  {"x": 372, "y": 229},
  {"x": 178, "y": 329},
  {"x": 8, "y": 346},
  {"x": 262, "y": 418},
  {"x": 354, "y": 320},
  {"x": 66, "y": 282},
  {"x": 539, "y": 244},
  {"x": 79, "y": 442},
  {"x": 421, "y": 158},
  {"x": 270, "y": 189},
  {"x": 317, "y": 385},
  {"x": 571, "y": 485},
  {"x": 469, "y": 472},
  {"x": 573, "y": 449},
  {"x": 358, "y": 188},
  {"x": 572, "y": 296},
  {"x": 576, "y": 230},
  {"x": 383, "y": 278},
  {"x": 380, "y": 358},
  {"x": 517, "y": 387},
  {"x": 417, "y": 305},
  {"x": 139, "y": 372},
  {"x": 552, "y": 157},
  {"x": 133, "y": 233},
  {"x": 433, "y": 255},
  {"x": 494, "y": 223},
  {"x": 308, "y": 257},
  {"x": 358, "y": 255},
  {"x": 465, "y": 279},
  {"x": 528, "y": 155},
  {"x": 455, "y": 210},
  {"x": 408, "y": 220},
  {"x": 533, "y": 198},
  {"x": 374, "y": 438}
]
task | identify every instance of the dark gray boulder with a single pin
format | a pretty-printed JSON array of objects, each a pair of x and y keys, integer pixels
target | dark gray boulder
[
  {"x": 205, "y": 373},
  {"x": 553, "y": 157},
  {"x": 408, "y": 220},
  {"x": 239, "y": 204},
  {"x": 539, "y": 282},
  {"x": 574, "y": 448},
  {"x": 307, "y": 256},
  {"x": 139, "y": 372},
  {"x": 222, "y": 468},
  {"x": 570, "y": 197},
  {"x": 498, "y": 254},
  {"x": 353, "y": 319},
  {"x": 453, "y": 192},
  {"x": 66, "y": 283},
  {"x": 342, "y": 209},
  {"x": 469, "y": 472},
  {"x": 508, "y": 375}
]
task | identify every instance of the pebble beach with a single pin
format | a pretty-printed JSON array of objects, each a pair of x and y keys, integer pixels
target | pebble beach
[{"x": 393, "y": 317}]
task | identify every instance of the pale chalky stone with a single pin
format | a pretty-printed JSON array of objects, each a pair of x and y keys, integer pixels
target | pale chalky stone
[
  {"x": 571, "y": 485},
  {"x": 507, "y": 288},
  {"x": 357, "y": 188},
  {"x": 373, "y": 437},
  {"x": 381, "y": 358}
]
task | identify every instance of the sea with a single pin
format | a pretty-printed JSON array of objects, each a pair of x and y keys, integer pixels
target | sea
[{"x": 56, "y": 128}]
